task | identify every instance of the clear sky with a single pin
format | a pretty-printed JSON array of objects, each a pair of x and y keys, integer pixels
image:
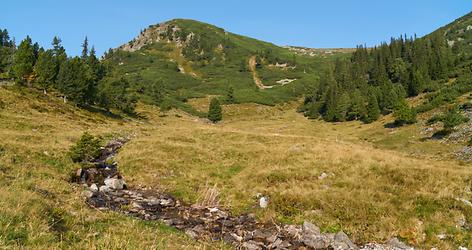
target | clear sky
[{"x": 320, "y": 24}]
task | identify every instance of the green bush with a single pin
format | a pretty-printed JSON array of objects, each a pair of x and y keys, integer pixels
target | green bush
[{"x": 86, "y": 149}]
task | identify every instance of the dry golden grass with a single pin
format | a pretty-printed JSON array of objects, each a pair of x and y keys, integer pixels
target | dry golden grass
[
  {"x": 381, "y": 182},
  {"x": 39, "y": 209}
]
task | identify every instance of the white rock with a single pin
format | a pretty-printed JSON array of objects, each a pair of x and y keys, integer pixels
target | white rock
[
  {"x": 213, "y": 210},
  {"x": 462, "y": 248},
  {"x": 87, "y": 194},
  {"x": 104, "y": 189},
  {"x": 94, "y": 188},
  {"x": 322, "y": 176},
  {"x": 441, "y": 236},
  {"x": 263, "y": 202},
  {"x": 114, "y": 183}
]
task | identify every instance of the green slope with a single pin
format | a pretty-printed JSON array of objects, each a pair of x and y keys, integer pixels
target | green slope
[{"x": 193, "y": 59}]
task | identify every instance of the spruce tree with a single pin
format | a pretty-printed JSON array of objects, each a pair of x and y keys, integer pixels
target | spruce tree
[
  {"x": 214, "y": 111},
  {"x": 230, "y": 95},
  {"x": 416, "y": 84},
  {"x": 74, "y": 81},
  {"x": 85, "y": 49},
  {"x": 404, "y": 114},
  {"x": 46, "y": 69},
  {"x": 117, "y": 94},
  {"x": 24, "y": 61},
  {"x": 373, "y": 110}
]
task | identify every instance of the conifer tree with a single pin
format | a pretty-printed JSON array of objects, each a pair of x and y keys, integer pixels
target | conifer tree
[
  {"x": 117, "y": 94},
  {"x": 230, "y": 95},
  {"x": 85, "y": 50},
  {"x": 75, "y": 82},
  {"x": 373, "y": 110},
  {"x": 404, "y": 114},
  {"x": 214, "y": 111},
  {"x": 24, "y": 61},
  {"x": 46, "y": 69}
]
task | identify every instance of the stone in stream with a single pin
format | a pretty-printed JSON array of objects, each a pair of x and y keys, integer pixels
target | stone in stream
[
  {"x": 115, "y": 183},
  {"x": 94, "y": 188}
]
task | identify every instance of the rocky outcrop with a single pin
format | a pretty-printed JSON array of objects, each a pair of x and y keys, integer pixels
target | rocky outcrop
[{"x": 107, "y": 190}]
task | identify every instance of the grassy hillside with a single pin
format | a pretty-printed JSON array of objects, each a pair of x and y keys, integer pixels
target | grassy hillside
[
  {"x": 39, "y": 208},
  {"x": 194, "y": 59},
  {"x": 381, "y": 182}
]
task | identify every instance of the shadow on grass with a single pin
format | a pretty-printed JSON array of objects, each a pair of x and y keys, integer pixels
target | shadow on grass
[{"x": 102, "y": 111}]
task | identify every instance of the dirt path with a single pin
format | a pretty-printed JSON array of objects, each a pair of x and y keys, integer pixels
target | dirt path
[{"x": 257, "y": 80}]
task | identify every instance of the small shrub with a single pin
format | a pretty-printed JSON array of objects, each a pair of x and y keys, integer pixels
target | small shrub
[{"x": 85, "y": 149}]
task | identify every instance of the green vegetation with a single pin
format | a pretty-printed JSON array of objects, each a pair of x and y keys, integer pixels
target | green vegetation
[
  {"x": 379, "y": 78},
  {"x": 85, "y": 149},
  {"x": 214, "y": 111},
  {"x": 450, "y": 119}
]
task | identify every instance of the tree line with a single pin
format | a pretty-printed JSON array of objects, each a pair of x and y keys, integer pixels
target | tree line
[
  {"x": 79, "y": 79},
  {"x": 377, "y": 81}
]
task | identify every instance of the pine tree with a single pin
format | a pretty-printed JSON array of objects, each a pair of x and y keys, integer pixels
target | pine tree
[
  {"x": 342, "y": 107},
  {"x": 404, "y": 114},
  {"x": 116, "y": 94},
  {"x": 416, "y": 84},
  {"x": 24, "y": 61},
  {"x": 356, "y": 109},
  {"x": 75, "y": 81},
  {"x": 98, "y": 71},
  {"x": 230, "y": 95},
  {"x": 46, "y": 69},
  {"x": 214, "y": 111},
  {"x": 373, "y": 110},
  {"x": 85, "y": 49},
  {"x": 59, "y": 51},
  {"x": 7, "y": 48}
]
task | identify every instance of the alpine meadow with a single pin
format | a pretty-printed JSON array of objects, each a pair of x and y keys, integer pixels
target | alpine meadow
[{"x": 190, "y": 136}]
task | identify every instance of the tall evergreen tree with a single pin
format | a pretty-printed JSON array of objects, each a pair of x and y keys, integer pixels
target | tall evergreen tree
[
  {"x": 85, "y": 50},
  {"x": 75, "y": 82},
  {"x": 24, "y": 61},
  {"x": 46, "y": 69},
  {"x": 373, "y": 110},
  {"x": 117, "y": 94},
  {"x": 214, "y": 111}
]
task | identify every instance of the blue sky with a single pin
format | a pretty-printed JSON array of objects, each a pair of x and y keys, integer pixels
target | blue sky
[{"x": 320, "y": 24}]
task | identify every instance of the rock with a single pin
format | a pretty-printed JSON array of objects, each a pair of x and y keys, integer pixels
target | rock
[
  {"x": 462, "y": 248},
  {"x": 397, "y": 244},
  {"x": 316, "y": 241},
  {"x": 87, "y": 194},
  {"x": 213, "y": 210},
  {"x": 442, "y": 236},
  {"x": 342, "y": 242},
  {"x": 322, "y": 176},
  {"x": 94, "y": 188},
  {"x": 263, "y": 202},
  {"x": 293, "y": 231},
  {"x": 191, "y": 233},
  {"x": 115, "y": 183},
  {"x": 251, "y": 245},
  {"x": 236, "y": 237},
  {"x": 104, "y": 189},
  {"x": 310, "y": 228}
]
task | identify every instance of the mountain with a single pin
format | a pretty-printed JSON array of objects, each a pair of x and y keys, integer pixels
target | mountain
[
  {"x": 459, "y": 34},
  {"x": 193, "y": 59}
]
